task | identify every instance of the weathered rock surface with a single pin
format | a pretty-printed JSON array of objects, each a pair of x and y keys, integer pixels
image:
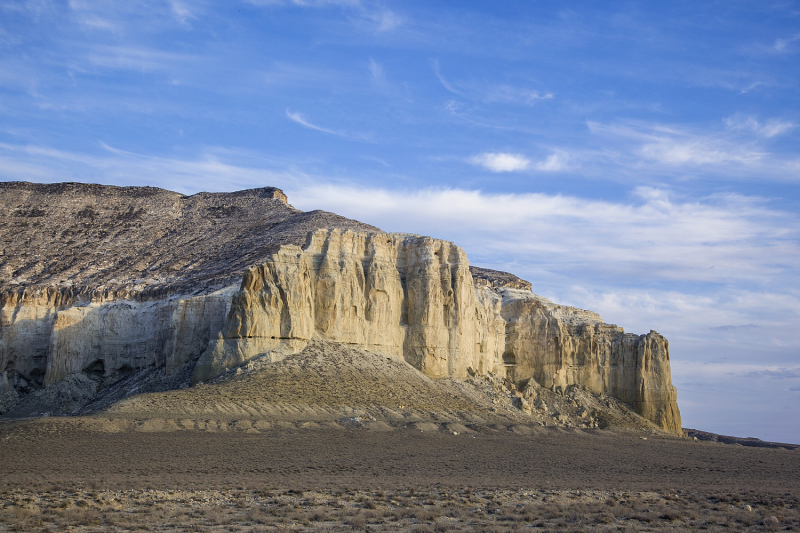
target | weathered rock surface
[
  {"x": 408, "y": 296},
  {"x": 414, "y": 298},
  {"x": 90, "y": 240},
  {"x": 106, "y": 280},
  {"x": 98, "y": 283}
]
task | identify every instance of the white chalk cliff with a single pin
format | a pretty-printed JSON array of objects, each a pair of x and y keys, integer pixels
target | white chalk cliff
[
  {"x": 414, "y": 298},
  {"x": 406, "y": 296}
]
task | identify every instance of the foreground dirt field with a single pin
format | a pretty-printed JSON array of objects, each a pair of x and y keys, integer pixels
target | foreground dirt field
[
  {"x": 58, "y": 475},
  {"x": 339, "y": 439}
]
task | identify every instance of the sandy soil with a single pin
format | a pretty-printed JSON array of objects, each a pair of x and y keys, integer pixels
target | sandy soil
[
  {"x": 58, "y": 474},
  {"x": 338, "y": 439}
]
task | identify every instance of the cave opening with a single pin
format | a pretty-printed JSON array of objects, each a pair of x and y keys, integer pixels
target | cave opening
[{"x": 96, "y": 370}]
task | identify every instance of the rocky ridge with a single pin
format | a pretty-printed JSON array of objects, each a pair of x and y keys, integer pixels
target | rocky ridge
[{"x": 150, "y": 279}]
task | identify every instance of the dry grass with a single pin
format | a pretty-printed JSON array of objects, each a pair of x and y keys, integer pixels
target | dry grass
[
  {"x": 426, "y": 509},
  {"x": 58, "y": 476}
]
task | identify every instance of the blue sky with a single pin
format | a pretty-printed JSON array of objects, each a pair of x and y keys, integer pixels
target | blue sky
[{"x": 639, "y": 159}]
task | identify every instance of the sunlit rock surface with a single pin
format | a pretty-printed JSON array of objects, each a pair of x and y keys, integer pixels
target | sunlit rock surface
[
  {"x": 98, "y": 282},
  {"x": 414, "y": 298}
]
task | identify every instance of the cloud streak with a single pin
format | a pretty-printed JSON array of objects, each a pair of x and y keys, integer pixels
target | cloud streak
[
  {"x": 303, "y": 121},
  {"x": 501, "y": 162},
  {"x": 781, "y": 45},
  {"x": 740, "y": 150},
  {"x": 770, "y": 128}
]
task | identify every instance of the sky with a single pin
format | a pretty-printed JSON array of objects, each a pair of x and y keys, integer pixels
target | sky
[{"x": 639, "y": 159}]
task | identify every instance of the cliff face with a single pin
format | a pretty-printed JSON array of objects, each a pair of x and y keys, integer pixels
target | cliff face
[
  {"x": 408, "y": 296},
  {"x": 99, "y": 282},
  {"x": 414, "y": 297},
  {"x": 44, "y": 342},
  {"x": 559, "y": 346}
]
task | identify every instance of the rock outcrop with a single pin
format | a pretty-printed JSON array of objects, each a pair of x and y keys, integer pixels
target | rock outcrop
[
  {"x": 414, "y": 298},
  {"x": 105, "y": 280},
  {"x": 100, "y": 282}
]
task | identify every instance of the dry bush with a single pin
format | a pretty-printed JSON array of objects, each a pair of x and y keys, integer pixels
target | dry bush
[
  {"x": 320, "y": 515},
  {"x": 15, "y": 514},
  {"x": 356, "y": 521},
  {"x": 255, "y": 514},
  {"x": 426, "y": 515},
  {"x": 369, "y": 503}
]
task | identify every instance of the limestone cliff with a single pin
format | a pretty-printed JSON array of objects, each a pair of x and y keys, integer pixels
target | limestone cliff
[
  {"x": 99, "y": 282},
  {"x": 414, "y": 298},
  {"x": 106, "y": 280},
  {"x": 409, "y": 296}
]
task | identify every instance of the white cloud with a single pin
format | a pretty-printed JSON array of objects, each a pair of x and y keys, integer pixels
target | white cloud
[
  {"x": 770, "y": 128},
  {"x": 376, "y": 70},
  {"x": 501, "y": 162},
  {"x": 506, "y": 162},
  {"x": 94, "y": 22},
  {"x": 553, "y": 163},
  {"x": 673, "y": 146},
  {"x": 750, "y": 87},
  {"x": 781, "y": 44},
  {"x": 508, "y": 93},
  {"x": 696, "y": 152},
  {"x": 181, "y": 11},
  {"x": 444, "y": 82},
  {"x": 136, "y": 58},
  {"x": 303, "y": 121},
  {"x": 387, "y": 20}
]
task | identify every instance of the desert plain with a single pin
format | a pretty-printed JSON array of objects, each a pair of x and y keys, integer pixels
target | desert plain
[{"x": 284, "y": 447}]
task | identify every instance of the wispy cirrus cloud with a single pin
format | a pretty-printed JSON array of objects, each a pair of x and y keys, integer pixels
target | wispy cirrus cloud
[
  {"x": 301, "y": 119},
  {"x": 508, "y": 93},
  {"x": 501, "y": 162},
  {"x": 379, "y": 18},
  {"x": 136, "y": 58},
  {"x": 770, "y": 128},
  {"x": 442, "y": 80},
  {"x": 386, "y": 20},
  {"x": 491, "y": 93},
  {"x": 508, "y": 162},
  {"x": 181, "y": 11},
  {"x": 781, "y": 45},
  {"x": 650, "y": 148},
  {"x": 775, "y": 373},
  {"x": 555, "y": 162},
  {"x": 376, "y": 69}
]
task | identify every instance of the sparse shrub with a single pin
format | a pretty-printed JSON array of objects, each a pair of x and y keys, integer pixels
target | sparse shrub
[
  {"x": 319, "y": 516},
  {"x": 357, "y": 521},
  {"x": 369, "y": 504},
  {"x": 426, "y": 515},
  {"x": 255, "y": 514}
]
